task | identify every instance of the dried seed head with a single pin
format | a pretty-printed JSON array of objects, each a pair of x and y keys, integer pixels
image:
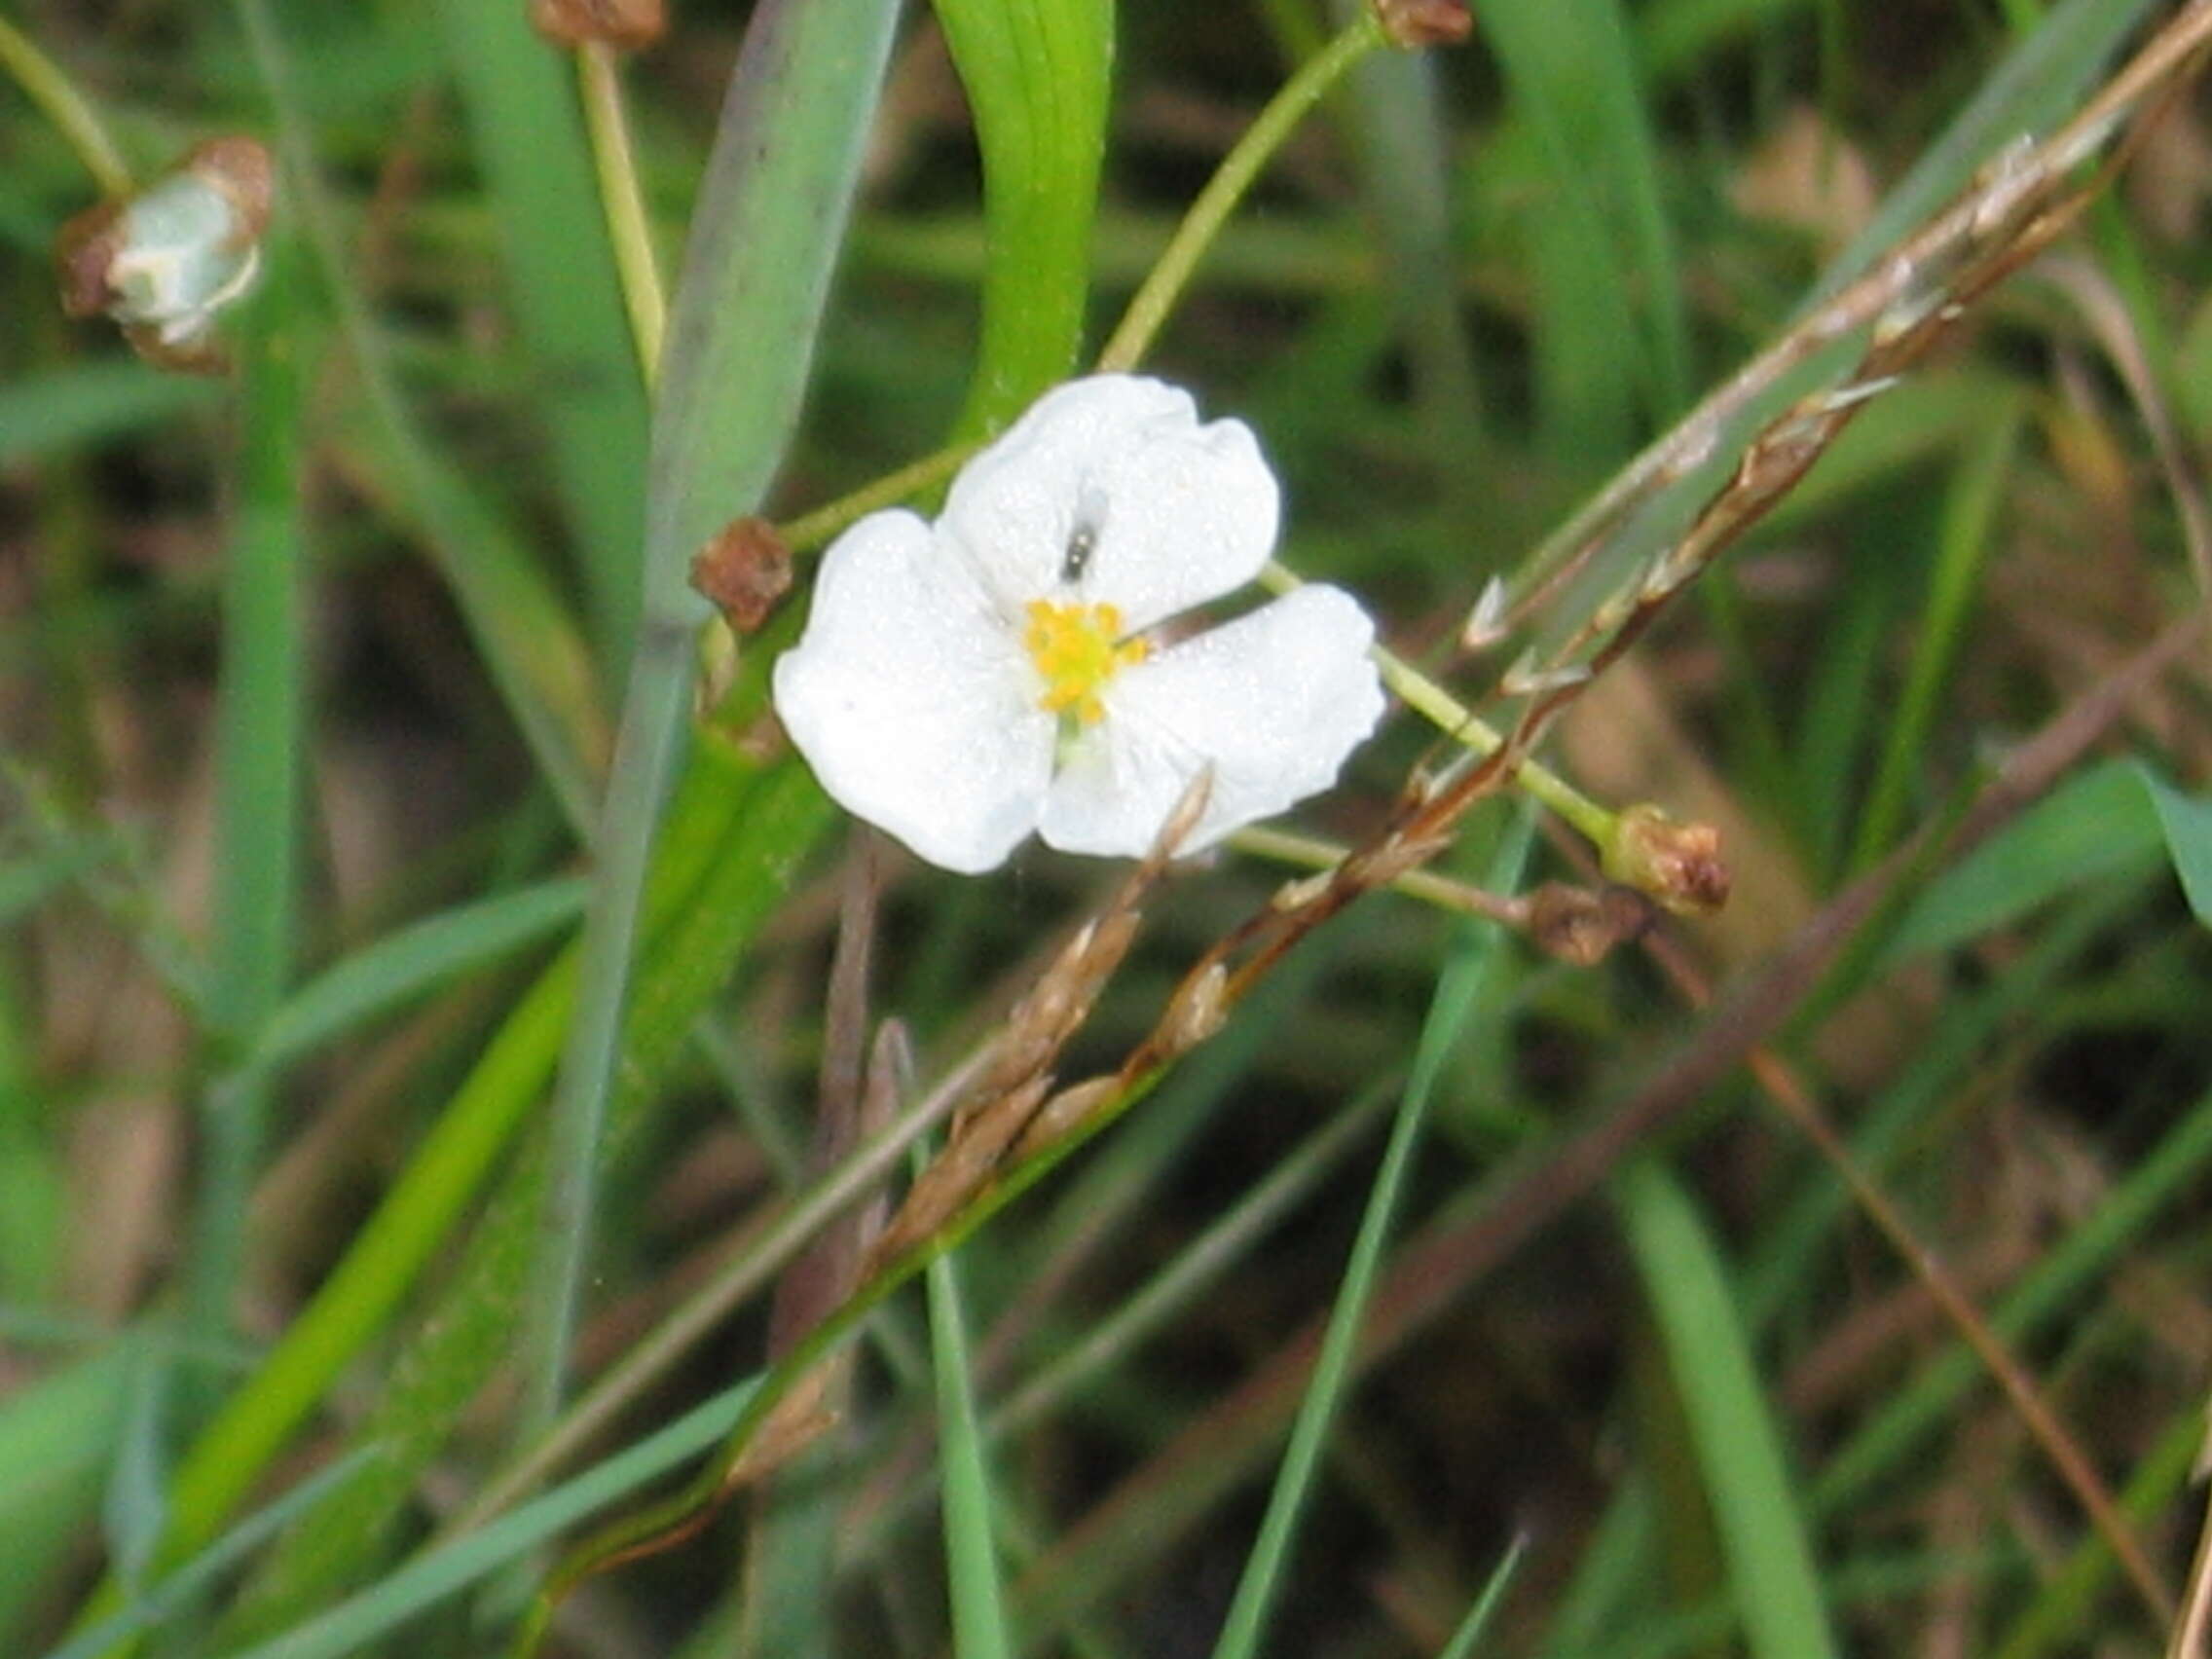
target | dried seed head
[
  {"x": 1065, "y": 1113},
  {"x": 627, "y": 26},
  {"x": 1297, "y": 893},
  {"x": 1485, "y": 625},
  {"x": 744, "y": 569},
  {"x": 1674, "y": 864},
  {"x": 1415, "y": 24},
  {"x": 166, "y": 262},
  {"x": 1580, "y": 927},
  {"x": 1200, "y": 1009}
]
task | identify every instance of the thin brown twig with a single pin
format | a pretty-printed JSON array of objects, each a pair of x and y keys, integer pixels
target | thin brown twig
[
  {"x": 1438, "y": 1263},
  {"x": 1783, "y": 1086},
  {"x": 2193, "y": 1630}
]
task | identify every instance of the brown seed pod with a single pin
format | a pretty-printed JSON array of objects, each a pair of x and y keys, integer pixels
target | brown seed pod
[
  {"x": 745, "y": 569},
  {"x": 1413, "y": 23},
  {"x": 626, "y": 26},
  {"x": 1675, "y": 863}
]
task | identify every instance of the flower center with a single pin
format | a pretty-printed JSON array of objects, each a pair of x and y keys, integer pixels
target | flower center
[{"x": 1077, "y": 649}]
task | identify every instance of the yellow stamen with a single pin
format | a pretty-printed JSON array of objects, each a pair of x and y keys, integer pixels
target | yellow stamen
[{"x": 1077, "y": 650}]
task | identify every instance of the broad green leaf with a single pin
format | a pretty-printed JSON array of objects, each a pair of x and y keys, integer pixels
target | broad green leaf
[
  {"x": 763, "y": 243},
  {"x": 1036, "y": 73},
  {"x": 412, "y": 961}
]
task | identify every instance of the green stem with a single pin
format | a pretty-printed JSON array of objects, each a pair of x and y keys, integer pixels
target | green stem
[
  {"x": 803, "y": 535},
  {"x": 260, "y": 715},
  {"x": 1148, "y": 311},
  {"x": 648, "y": 750},
  {"x": 1456, "y": 721},
  {"x": 628, "y": 228},
  {"x": 1310, "y": 852},
  {"x": 72, "y": 113}
]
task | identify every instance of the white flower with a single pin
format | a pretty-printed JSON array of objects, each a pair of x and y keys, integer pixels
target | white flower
[
  {"x": 963, "y": 683},
  {"x": 182, "y": 260}
]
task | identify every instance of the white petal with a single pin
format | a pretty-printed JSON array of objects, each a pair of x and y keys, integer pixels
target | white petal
[
  {"x": 1274, "y": 701},
  {"x": 911, "y": 702},
  {"x": 1116, "y": 475}
]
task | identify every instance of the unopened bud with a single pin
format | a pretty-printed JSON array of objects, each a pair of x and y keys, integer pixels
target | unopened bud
[
  {"x": 166, "y": 262},
  {"x": 627, "y": 26},
  {"x": 1676, "y": 864},
  {"x": 1415, "y": 24},
  {"x": 744, "y": 569},
  {"x": 1580, "y": 927}
]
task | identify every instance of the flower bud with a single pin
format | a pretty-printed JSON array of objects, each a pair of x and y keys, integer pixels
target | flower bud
[
  {"x": 167, "y": 261},
  {"x": 1413, "y": 23},
  {"x": 1674, "y": 864},
  {"x": 626, "y": 26},
  {"x": 744, "y": 569},
  {"x": 1580, "y": 927}
]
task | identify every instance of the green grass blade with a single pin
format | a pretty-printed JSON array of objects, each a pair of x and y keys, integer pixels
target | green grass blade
[
  {"x": 530, "y": 644},
  {"x": 1678, "y": 35},
  {"x": 1397, "y": 121},
  {"x": 1970, "y": 521},
  {"x": 529, "y": 144},
  {"x": 404, "y": 1235},
  {"x": 764, "y": 241},
  {"x": 34, "y": 1193},
  {"x": 2041, "y": 82},
  {"x": 2067, "y": 1603},
  {"x": 2186, "y": 824},
  {"x": 55, "y": 1438},
  {"x": 2106, "y": 823},
  {"x": 1187, "y": 1279},
  {"x": 1573, "y": 70},
  {"x": 1913, "y": 1411},
  {"x": 972, "y": 1562},
  {"x": 1943, "y": 1066},
  {"x": 1463, "y": 986},
  {"x": 1037, "y": 74},
  {"x": 1472, "y": 1628},
  {"x": 723, "y": 867},
  {"x": 260, "y": 720},
  {"x": 26, "y": 882},
  {"x": 1771, "y": 1570},
  {"x": 431, "y": 1577},
  {"x": 414, "y": 961},
  {"x": 89, "y": 404},
  {"x": 179, "y": 1589}
]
